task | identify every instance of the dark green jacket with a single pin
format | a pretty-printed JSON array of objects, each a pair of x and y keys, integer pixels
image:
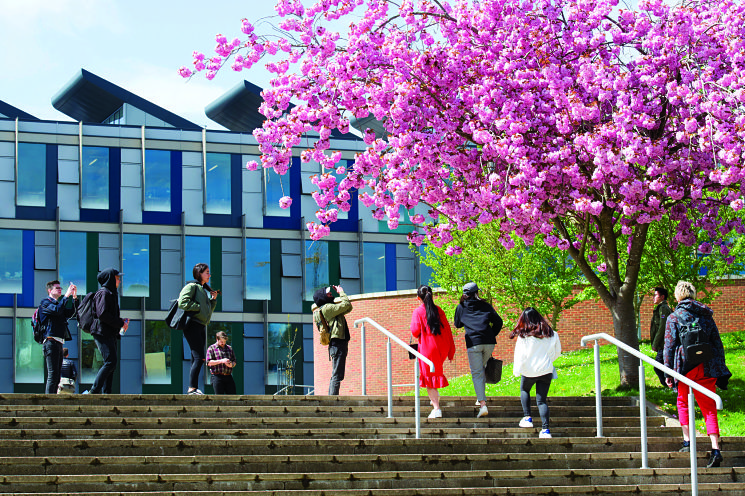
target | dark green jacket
[
  {"x": 195, "y": 298},
  {"x": 657, "y": 327}
]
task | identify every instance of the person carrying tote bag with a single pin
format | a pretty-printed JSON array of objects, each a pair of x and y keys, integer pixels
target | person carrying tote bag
[{"x": 199, "y": 298}]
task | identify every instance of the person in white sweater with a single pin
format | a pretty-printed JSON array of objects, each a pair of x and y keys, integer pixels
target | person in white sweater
[{"x": 536, "y": 349}]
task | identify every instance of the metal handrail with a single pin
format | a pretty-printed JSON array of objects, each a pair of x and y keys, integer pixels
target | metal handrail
[
  {"x": 408, "y": 348},
  {"x": 643, "y": 399}
]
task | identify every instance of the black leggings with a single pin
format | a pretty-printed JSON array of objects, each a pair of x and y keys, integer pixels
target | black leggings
[
  {"x": 542, "y": 383},
  {"x": 196, "y": 335}
]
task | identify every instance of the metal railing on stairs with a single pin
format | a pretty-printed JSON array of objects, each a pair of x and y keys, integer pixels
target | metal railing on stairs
[
  {"x": 643, "y": 399},
  {"x": 405, "y": 346}
]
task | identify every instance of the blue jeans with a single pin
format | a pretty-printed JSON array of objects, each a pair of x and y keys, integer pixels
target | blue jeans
[
  {"x": 53, "y": 356},
  {"x": 477, "y": 356},
  {"x": 105, "y": 377}
]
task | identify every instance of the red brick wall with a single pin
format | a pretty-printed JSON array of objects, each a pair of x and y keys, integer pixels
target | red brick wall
[{"x": 393, "y": 312}]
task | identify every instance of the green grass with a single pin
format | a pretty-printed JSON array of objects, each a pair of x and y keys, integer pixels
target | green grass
[{"x": 576, "y": 378}]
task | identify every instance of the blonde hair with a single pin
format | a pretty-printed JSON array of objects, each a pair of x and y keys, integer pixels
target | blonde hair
[{"x": 684, "y": 290}]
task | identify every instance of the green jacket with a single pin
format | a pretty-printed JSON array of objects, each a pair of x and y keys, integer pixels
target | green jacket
[
  {"x": 334, "y": 314},
  {"x": 194, "y": 298},
  {"x": 657, "y": 327}
]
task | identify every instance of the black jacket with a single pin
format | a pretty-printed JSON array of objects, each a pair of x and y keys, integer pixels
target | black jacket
[
  {"x": 55, "y": 315},
  {"x": 481, "y": 321},
  {"x": 106, "y": 306}
]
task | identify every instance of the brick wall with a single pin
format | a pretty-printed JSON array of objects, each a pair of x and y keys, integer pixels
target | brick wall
[{"x": 393, "y": 310}]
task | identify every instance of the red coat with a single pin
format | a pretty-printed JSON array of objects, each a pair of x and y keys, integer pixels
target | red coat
[{"x": 436, "y": 348}]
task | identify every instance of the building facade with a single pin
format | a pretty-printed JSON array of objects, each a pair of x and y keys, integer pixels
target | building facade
[{"x": 132, "y": 186}]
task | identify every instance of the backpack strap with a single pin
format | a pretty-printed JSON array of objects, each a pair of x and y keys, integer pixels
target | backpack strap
[{"x": 323, "y": 319}]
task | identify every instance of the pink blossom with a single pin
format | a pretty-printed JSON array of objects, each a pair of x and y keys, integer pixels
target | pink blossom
[
  {"x": 252, "y": 165},
  {"x": 453, "y": 250},
  {"x": 285, "y": 201}
]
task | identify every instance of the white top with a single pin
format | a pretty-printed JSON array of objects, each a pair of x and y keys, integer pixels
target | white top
[{"x": 535, "y": 357}]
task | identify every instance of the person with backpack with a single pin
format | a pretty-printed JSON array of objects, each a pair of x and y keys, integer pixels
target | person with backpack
[
  {"x": 482, "y": 324},
  {"x": 536, "y": 349},
  {"x": 689, "y": 317},
  {"x": 105, "y": 329},
  {"x": 197, "y": 297},
  {"x": 431, "y": 327},
  {"x": 329, "y": 314},
  {"x": 657, "y": 328},
  {"x": 53, "y": 314}
]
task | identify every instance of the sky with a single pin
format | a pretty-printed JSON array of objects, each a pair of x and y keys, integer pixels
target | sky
[{"x": 136, "y": 44}]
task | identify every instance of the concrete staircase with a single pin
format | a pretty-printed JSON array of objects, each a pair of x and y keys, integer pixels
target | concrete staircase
[{"x": 339, "y": 446}]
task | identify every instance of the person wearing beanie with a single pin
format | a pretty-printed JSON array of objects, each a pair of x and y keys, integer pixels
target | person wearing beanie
[
  {"x": 482, "y": 325},
  {"x": 329, "y": 313}
]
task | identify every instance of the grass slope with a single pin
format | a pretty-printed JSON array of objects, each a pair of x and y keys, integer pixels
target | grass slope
[{"x": 576, "y": 378}]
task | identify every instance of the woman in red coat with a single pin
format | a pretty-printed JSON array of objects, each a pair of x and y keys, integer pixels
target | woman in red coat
[{"x": 430, "y": 326}]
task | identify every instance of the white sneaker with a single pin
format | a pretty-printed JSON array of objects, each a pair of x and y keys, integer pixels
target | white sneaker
[
  {"x": 544, "y": 434},
  {"x": 478, "y": 403},
  {"x": 526, "y": 422},
  {"x": 195, "y": 391},
  {"x": 436, "y": 413},
  {"x": 483, "y": 412}
]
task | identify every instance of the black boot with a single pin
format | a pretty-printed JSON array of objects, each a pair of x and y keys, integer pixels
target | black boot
[{"x": 716, "y": 459}]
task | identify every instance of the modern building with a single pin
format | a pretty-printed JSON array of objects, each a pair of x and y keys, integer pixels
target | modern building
[{"x": 130, "y": 185}]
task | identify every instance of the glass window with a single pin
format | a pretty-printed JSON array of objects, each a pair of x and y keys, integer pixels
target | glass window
[
  {"x": 90, "y": 360},
  {"x": 283, "y": 354},
  {"x": 72, "y": 259},
  {"x": 158, "y": 180},
  {"x": 275, "y": 187},
  {"x": 218, "y": 183},
  {"x": 29, "y": 359},
  {"x": 11, "y": 261},
  {"x": 425, "y": 271},
  {"x": 136, "y": 265},
  {"x": 94, "y": 179},
  {"x": 316, "y": 267},
  {"x": 258, "y": 273},
  {"x": 32, "y": 174},
  {"x": 196, "y": 250},
  {"x": 374, "y": 267},
  {"x": 157, "y": 352}
]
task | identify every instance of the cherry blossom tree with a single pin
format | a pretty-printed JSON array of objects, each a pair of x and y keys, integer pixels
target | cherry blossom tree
[{"x": 581, "y": 120}]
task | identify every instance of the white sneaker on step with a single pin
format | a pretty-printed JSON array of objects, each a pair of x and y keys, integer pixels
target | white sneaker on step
[
  {"x": 483, "y": 412},
  {"x": 526, "y": 422},
  {"x": 544, "y": 434},
  {"x": 436, "y": 413}
]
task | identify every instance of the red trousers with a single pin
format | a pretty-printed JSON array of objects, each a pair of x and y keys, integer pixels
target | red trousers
[{"x": 707, "y": 405}]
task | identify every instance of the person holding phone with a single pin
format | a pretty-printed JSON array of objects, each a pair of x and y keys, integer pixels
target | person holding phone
[{"x": 54, "y": 311}]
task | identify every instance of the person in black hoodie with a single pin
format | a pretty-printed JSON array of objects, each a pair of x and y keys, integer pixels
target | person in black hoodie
[
  {"x": 482, "y": 325},
  {"x": 105, "y": 328},
  {"x": 53, "y": 313}
]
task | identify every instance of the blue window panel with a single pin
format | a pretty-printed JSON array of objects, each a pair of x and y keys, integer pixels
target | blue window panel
[
  {"x": 390, "y": 267},
  {"x": 307, "y": 351},
  {"x": 253, "y": 330},
  {"x": 374, "y": 267},
  {"x": 29, "y": 361},
  {"x": 218, "y": 190},
  {"x": 72, "y": 256},
  {"x": 173, "y": 214},
  {"x": 48, "y": 211},
  {"x": 316, "y": 267},
  {"x": 272, "y": 221},
  {"x": 136, "y": 265},
  {"x": 95, "y": 178},
  {"x": 11, "y": 261},
  {"x": 231, "y": 218},
  {"x": 32, "y": 173},
  {"x": 196, "y": 250},
  {"x": 253, "y": 377},
  {"x": 275, "y": 187},
  {"x": 425, "y": 271},
  {"x": 258, "y": 270}
]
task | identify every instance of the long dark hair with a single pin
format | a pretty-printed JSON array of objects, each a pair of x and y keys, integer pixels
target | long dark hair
[
  {"x": 433, "y": 312},
  {"x": 532, "y": 323}
]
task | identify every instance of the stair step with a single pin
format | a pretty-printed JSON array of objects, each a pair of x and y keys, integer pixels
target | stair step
[
  {"x": 364, "y": 480},
  {"x": 101, "y": 465}
]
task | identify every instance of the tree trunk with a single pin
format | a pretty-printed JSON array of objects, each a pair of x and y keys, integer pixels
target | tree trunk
[{"x": 624, "y": 326}]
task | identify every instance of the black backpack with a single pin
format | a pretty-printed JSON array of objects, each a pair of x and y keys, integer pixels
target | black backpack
[
  {"x": 39, "y": 328},
  {"x": 696, "y": 345},
  {"x": 86, "y": 313}
]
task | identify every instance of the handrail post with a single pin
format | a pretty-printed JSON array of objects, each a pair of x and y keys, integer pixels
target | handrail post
[
  {"x": 417, "y": 406},
  {"x": 390, "y": 379},
  {"x": 598, "y": 391},
  {"x": 643, "y": 415},
  {"x": 692, "y": 440},
  {"x": 363, "y": 359}
]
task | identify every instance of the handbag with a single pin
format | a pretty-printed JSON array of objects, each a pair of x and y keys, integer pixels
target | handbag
[
  {"x": 177, "y": 318},
  {"x": 416, "y": 347},
  {"x": 493, "y": 370}
]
